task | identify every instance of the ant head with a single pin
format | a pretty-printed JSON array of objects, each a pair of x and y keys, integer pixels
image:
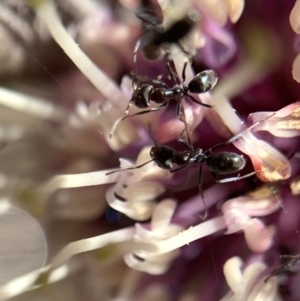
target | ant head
[
  {"x": 203, "y": 82},
  {"x": 141, "y": 96},
  {"x": 163, "y": 156}
]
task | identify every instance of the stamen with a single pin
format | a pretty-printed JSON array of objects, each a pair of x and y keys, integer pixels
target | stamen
[
  {"x": 285, "y": 123},
  {"x": 78, "y": 180},
  {"x": 47, "y": 11},
  {"x": 30, "y": 105}
]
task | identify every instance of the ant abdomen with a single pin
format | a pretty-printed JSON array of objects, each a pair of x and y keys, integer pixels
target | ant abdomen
[
  {"x": 203, "y": 82},
  {"x": 225, "y": 163},
  {"x": 141, "y": 96}
]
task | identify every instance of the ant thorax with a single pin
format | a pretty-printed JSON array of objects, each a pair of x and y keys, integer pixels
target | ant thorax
[{"x": 198, "y": 156}]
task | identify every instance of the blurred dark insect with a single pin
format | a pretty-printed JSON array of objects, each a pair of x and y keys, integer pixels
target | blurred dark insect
[{"x": 157, "y": 37}]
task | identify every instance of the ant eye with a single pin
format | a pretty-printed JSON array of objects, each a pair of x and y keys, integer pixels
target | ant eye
[{"x": 203, "y": 82}]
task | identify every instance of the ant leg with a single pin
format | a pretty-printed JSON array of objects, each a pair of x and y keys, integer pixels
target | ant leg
[
  {"x": 129, "y": 168},
  {"x": 239, "y": 135},
  {"x": 183, "y": 72},
  {"x": 171, "y": 73},
  {"x": 193, "y": 99},
  {"x": 181, "y": 116},
  {"x": 145, "y": 79},
  {"x": 136, "y": 48},
  {"x": 232, "y": 179},
  {"x": 204, "y": 217},
  {"x": 148, "y": 111},
  {"x": 124, "y": 116}
]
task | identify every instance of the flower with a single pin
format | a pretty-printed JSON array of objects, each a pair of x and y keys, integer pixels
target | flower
[{"x": 59, "y": 167}]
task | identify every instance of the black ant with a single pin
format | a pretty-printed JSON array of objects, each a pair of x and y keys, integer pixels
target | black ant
[
  {"x": 159, "y": 92},
  {"x": 219, "y": 163},
  {"x": 157, "y": 37}
]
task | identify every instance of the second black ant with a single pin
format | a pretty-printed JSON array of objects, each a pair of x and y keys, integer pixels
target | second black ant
[
  {"x": 219, "y": 163},
  {"x": 160, "y": 93}
]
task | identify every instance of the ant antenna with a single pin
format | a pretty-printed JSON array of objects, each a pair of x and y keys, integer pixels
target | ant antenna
[
  {"x": 239, "y": 135},
  {"x": 124, "y": 116},
  {"x": 136, "y": 48},
  {"x": 128, "y": 168},
  {"x": 204, "y": 217},
  {"x": 274, "y": 188}
]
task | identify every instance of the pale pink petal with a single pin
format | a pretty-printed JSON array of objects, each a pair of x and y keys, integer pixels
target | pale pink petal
[
  {"x": 214, "y": 9},
  {"x": 252, "y": 206},
  {"x": 296, "y": 68},
  {"x": 235, "y": 220},
  {"x": 269, "y": 163},
  {"x": 169, "y": 130},
  {"x": 295, "y": 17},
  {"x": 285, "y": 123},
  {"x": 126, "y": 88},
  {"x": 227, "y": 45},
  {"x": 258, "y": 237}
]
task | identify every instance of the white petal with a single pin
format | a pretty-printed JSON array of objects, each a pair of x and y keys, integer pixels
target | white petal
[
  {"x": 233, "y": 274},
  {"x": 235, "y": 9}
]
